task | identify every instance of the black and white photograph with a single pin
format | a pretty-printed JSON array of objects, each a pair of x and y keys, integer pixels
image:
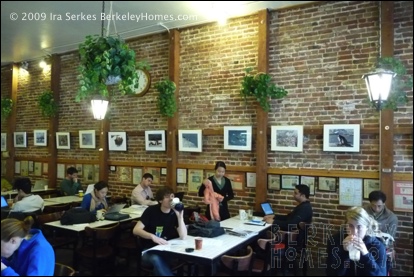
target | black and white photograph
[
  {"x": 238, "y": 138},
  {"x": 287, "y": 138},
  {"x": 20, "y": 139},
  {"x": 341, "y": 138},
  {"x": 273, "y": 181},
  {"x": 117, "y": 141},
  {"x": 327, "y": 183},
  {"x": 87, "y": 139},
  {"x": 289, "y": 181},
  {"x": 370, "y": 185},
  {"x": 40, "y": 137},
  {"x": 190, "y": 140},
  {"x": 62, "y": 140},
  {"x": 155, "y": 140}
]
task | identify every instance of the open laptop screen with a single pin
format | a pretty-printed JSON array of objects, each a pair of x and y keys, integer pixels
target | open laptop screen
[
  {"x": 4, "y": 202},
  {"x": 267, "y": 209}
]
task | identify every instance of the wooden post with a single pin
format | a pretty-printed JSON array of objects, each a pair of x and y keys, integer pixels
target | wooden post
[{"x": 14, "y": 71}]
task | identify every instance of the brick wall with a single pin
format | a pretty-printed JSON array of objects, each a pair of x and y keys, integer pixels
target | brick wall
[{"x": 318, "y": 53}]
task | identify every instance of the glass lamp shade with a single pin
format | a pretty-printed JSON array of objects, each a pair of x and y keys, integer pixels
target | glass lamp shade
[
  {"x": 379, "y": 86},
  {"x": 99, "y": 108}
]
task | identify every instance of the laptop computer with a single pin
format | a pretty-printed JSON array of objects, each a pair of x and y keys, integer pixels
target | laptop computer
[
  {"x": 267, "y": 209},
  {"x": 114, "y": 214},
  {"x": 4, "y": 203}
]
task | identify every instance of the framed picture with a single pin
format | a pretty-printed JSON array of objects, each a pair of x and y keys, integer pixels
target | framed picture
[
  {"x": 20, "y": 139},
  {"x": 87, "y": 139},
  {"x": 403, "y": 196},
  {"x": 287, "y": 138},
  {"x": 62, "y": 140},
  {"x": 155, "y": 140},
  {"x": 290, "y": 181},
  {"x": 273, "y": 181},
  {"x": 251, "y": 179},
  {"x": 88, "y": 173},
  {"x": 341, "y": 138},
  {"x": 237, "y": 180},
  {"x": 370, "y": 185},
  {"x": 190, "y": 140},
  {"x": 208, "y": 173},
  {"x": 195, "y": 178},
  {"x": 350, "y": 191},
  {"x": 327, "y": 183},
  {"x": 310, "y": 182},
  {"x": 117, "y": 141},
  {"x": 238, "y": 138},
  {"x": 156, "y": 173},
  {"x": 136, "y": 175},
  {"x": 40, "y": 137},
  {"x": 31, "y": 166},
  {"x": 3, "y": 142}
]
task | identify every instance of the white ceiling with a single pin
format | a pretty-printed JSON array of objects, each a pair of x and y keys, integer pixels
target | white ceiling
[{"x": 31, "y": 30}]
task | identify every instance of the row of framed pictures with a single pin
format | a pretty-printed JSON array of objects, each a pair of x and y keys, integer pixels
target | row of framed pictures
[{"x": 339, "y": 138}]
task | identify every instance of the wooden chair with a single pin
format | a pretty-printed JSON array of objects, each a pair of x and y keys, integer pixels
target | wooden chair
[
  {"x": 56, "y": 208},
  {"x": 127, "y": 242},
  {"x": 238, "y": 264},
  {"x": 262, "y": 263},
  {"x": 63, "y": 270},
  {"x": 98, "y": 249}
]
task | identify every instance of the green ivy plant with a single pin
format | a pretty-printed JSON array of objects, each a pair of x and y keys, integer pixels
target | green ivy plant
[
  {"x": 166, "y": 100},
  {"x": 400, "y": 83},
  {"x": 260, "y": 87},
  {"x": 6, "y": 107},
  {"x": 47, "y": 104},
  {"x": 105, "y": 61}
]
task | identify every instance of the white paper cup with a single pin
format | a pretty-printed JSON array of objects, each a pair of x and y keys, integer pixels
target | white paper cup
[{"x": 242, "y": 214}]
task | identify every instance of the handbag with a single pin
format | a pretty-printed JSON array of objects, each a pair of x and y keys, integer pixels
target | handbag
[
  {"x": 77, "y": 215},
  {"x": 209, "y": 229}
]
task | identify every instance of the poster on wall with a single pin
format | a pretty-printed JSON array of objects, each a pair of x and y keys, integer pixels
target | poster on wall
[
  {"x": 195, "y": 177},
  {"x": 403, "y": 196},
  {"x": 350, "y": 191}
]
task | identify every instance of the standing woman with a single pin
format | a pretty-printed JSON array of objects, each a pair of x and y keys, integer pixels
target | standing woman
[
  {"x": 96, "y": 200},
  {"x": 25, "y": 251},
  {"x": 222, "y": 187}
]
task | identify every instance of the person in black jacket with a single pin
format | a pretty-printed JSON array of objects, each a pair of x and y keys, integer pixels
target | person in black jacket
[
  {"x": 222, "y": 186},
  {"x": 301, "y": 213}
]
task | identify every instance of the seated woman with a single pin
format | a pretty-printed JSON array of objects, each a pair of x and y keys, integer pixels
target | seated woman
[
  {"x": 360, "y": 253},
  {"x": 96, "y": 200},
  {"x": 25, "y": 251}
]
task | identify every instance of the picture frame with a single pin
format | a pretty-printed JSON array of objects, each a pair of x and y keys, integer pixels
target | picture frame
[
  {"x": 155, "y": 140},
  {"x": 40, "y": 137},
  {"x": 370, "y": 185},
  {"x": 289, "y": 181},
  {"x": 238, "y": 180},
  {"x": 62, "y": 140},
  {"x": 251, "y": 179},
  {"x": 88, "y": 173},
  {"x": 117, "y": 141},
  {"x": 327, "y": 183},
  {"x": 3, "y": 142},
  {"x": 190, "y": 140},
  {"x": 287, "y": 138},
  {"x": 238, "y": 138},
  {"x": 273, "y": 182},
  {"x": 195, "y": 178},
  {"x": 341, "y": 138},
  {"x": 403, "y": 196},
  {"x": 208, "y": 173},
  {"x": 156, "y": 173},
  {"x": 310, "y": 181},
  {"x": 136, "y": 175},
  {"x": 20, "y": 139},
  {"x": 87, "y": 139},
  {"x": 350, "y": 191}
]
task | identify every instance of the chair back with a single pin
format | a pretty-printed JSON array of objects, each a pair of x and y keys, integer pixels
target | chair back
[
  {"x": 63, "y": 270},
  {"x": 106, "y": 233},
  {"x": 241, "y": 263},
  {"x": 56, "y": 208},
  {"x": 48, "y": 217}
]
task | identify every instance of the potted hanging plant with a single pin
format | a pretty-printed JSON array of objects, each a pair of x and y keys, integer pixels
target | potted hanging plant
[
  {"x": 6, "y": 107},
  {"x": 105, "y": 61},
  {"x": 166, "y": 99},
  {"x": 400, "y": 83},
  {"x": 260, "y": 87},
  {"x": 47, "y": 104}
]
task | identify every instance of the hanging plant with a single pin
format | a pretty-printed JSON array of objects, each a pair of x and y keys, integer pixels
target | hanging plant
[
  {"x": 166, "y": 99},
  {"x": 260, "y": 87},
  {"x": 105, "y": 61},
  {"x": 6, "y": 107},
  {"x": 401, "y": 83},
  {"x": 47, "y": 104}
]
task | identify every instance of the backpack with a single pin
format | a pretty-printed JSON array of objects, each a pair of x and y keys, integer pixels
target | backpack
[
  {"x": 209, "y": 229},
  {"x": 77, "y": 215}
]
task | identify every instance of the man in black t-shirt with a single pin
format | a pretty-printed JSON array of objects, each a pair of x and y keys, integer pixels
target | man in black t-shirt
[{"x": 158, "y": 224}]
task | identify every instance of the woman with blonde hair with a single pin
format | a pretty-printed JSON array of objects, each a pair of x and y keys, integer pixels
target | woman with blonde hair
[
  {"x": 25, "y": 251},
  {"x": 359, "y": 252}
]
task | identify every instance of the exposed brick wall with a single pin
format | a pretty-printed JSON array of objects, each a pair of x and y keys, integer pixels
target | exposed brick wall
[{"x": 318, "y": 53}]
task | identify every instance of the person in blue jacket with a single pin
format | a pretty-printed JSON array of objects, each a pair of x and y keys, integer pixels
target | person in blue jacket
[
  {"x": 25, "y": 251},
  {"x": 358, "y": 236},
  {"x": 96, "y": 200}
]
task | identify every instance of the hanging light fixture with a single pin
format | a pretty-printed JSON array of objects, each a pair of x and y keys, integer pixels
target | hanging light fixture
[
  {"x": 379, "y": 86},
  {"x": 99, "y": 107}
]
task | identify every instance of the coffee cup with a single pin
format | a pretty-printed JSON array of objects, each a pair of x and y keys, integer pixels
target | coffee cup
[
  {"x": 80, "y": 193},
  {"x": 99, "y": 215},
  {"x": 250, "y": 214},
  {"x": 242, "y": 215},
  {"x": 354, "y": 254},
  {"x": 10, "y": 202},
  {"x": 198, "y": 243}
]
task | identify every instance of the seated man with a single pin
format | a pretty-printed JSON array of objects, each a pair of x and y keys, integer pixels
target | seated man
[
  {"x": 387, "y": 220},
  {"x": 142, "y": 194},
  {"x": 25, "y": 201},
  {"x": 158, "y": 224},
  {"x": 301, "y": 213},
  {"x": 71, "y": 184}
]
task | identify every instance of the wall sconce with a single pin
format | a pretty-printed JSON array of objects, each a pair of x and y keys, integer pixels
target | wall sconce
[
  {"x": 24, "y": 65},
  {"x": 379, "y": 86},
  {"x": 99, "y": 107}
]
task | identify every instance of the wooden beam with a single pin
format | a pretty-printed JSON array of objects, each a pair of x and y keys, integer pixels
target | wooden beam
[
  {"x": 174, "y": 75},
  {"x": 262, "y": 116},
  {"x": 387, "y": 116},
  {"x": 103, "y": 150},
  {"x": 14, "y": 71}
]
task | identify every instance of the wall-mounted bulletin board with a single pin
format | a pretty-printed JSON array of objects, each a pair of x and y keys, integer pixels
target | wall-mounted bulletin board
[{"x": 403, "y": 196}]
